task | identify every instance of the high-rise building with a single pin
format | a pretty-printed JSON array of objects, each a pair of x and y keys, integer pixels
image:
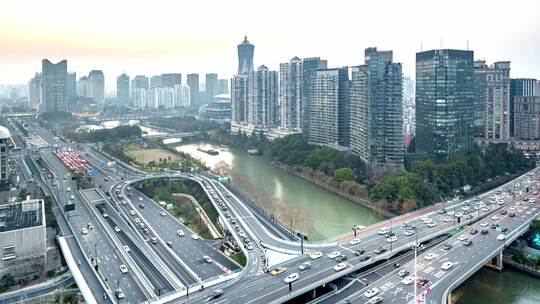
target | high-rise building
[
  {"x": 527, "y": 117},
  {"x": 53, "y": 84},
  {"x": 155, "y": 81},
  {"x": 291, "y": 94},
  {"x": 492, "y": 100},
  {"x": 408, "y": 87},
  {"x": 5, "y": 144},
  {"x": 96, "y": 86},
  {"x": 193, "y": 84},
  {"x": 245, "y": 56},
  {"x": 239, "y": 97},
  {"x": 444, "y": 103},
  {"x": 34, "y": 92},
  {"x": 329, "y": 107},
  {"x": 223, "y": 86},
  {"x": 376, "y": 111},
  {"x": 521, "y": 87},
  {"x": 170, "y": 80},
  {"x": 211, "y": 87},
  {"x": 82, "y": 87},
  {"x": 139, "y": 96},
  {"x": 71, "y": 86},
  {"x": 122, "y": 89},
  {"x": 182, "y": 95},
  {"x": 262, "y": 97},
  {"x": 309, "y": 66}
]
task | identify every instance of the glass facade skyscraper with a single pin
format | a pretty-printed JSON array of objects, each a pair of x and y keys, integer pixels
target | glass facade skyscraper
[
  {"x": 444, "y": 103},
  {"x": 54, "y": 87},
  {"x": 122, "y": 89},
  {"x": 245, "y": 56}
]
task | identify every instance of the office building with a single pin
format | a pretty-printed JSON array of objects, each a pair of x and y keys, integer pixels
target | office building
[
  {"x": 23, "y": 238},
  {"x": 122, "y": 89},
  {"x": 376, "y": 111},
  {"x": 170, "y": 80},
  {"x": 34, "y": 92},
  {"x": 96, "y": 86},
  {"x": 521, "y": 87},
  {"x": 71, "y": 86},
  {"x": 527, "y": 117},
  {"x": 82, "y": 87},
  {"x": 492, "y": 100},
  {"x": 5, "y": 145},
  {"x": 139, "y": 96},
  {"x": 211, "y": 87},
  {"x": 223, "y": 87},
  {"x": 291, "y": 94},
  {"x": 309, "y": 66},
  {"x": 245, "y": 57},
  {"x": 53, "y": 84},
  {"x": 155, "y": 81},
  {"x": 239, "y": 98},
  {"x": 182, "y": 95},
  {"x": 193, "y": 84},
  {"x": 329, "y": 108},
  {"x": 444, "y": 103},
  {"x": 140, "y": 82},
  {"x": 262, "y": 97}
]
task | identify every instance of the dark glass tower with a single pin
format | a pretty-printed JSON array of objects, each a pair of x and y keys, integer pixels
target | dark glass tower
[
  {"x": 444, "y": 103},
  {"x": 245, "y": 56}
]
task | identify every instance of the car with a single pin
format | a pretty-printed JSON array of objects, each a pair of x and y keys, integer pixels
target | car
[
  {"x": 408, "y": 233},
  {"x": 467, "y": 243},
  {"x": 341, "y": 258},
  {"x": 494, "y": 217},
  {"x": 484, "y": 224},
  {"x": 473, "y": 231},
  {"x": 68, "y": 189},
  {"x": 163, "y": 213},
  {"x": 359, "y": 252},
  {"x": 423, "y": 282},
  {"x": 169, "y": 243},
  {"x": 278, "y": 270},
  {"x": 304, "y": 266},
  {"x": 494, "y": 226},
  {"x": 291, "y": 278},
  {"x": 380, "y": 250},
  {"x": 451, "y": 213},
  {"x": 146, "y": 231},
  {"x": 442, "y": 211},
  {"x": 504, "y": 229},
  {"x": 504, "y": 211},
  {"x": 333, "y": 254},
  {"x": 137, "y": 220},
  {"x": 389, "y": 234},
  {"x": 402, "y": 273},
  {"x": 340, "y": 266},
  {"x": 117, "y": 229},
  {"x": 462, "y": 237},
  {"x": 119, "y": 294},
  {"x": 458, "y": 214},
  {"x": 126, "y": 248},
  {"x": 90, "y": 226},
  {"x": 375, "y": 300},
  {"x": 207, "y": 259},
  {"x": 194, "y": 236},
  {"x": 249, "y": 247},
  {"x": 373, "y": 291},
  {"x": 501, "y": 237},
  {"x": 447, "y": 246},
  {"x": 448, "y": 219},
  {"x": 447, "y": 265},
  {"x": 430, "y": 256},
  {"x": 431, "y": 224},
  {"x": 140, "y": 199},
  {"x": 84, "y": 231},
  {"x": 141, "y": 206},
  {"x": 511, "y": 214},
  {"x": 485, "y": 209},
  {"x": 123, "y": 268},
  {"x": 180, "y": 232},
  {"x": 132, "y": 212},
  {"x": 216, "y": 293},
  {"x": 424, "y": 218},
  {"x": 469, "y": 217},
  {"x": 465, "y": 208},
  {"x": 72, "y": 197},
  {"x": 354, "y": 241},
  {"x": 391, "y": 239},
  {"x": 315, "y": 255},
  {"x": 153, "y": 240},
  {"x": 484, "y": 231},
  {"x": 408, "y": 280},
  {"x": 383, "y": 230},
  {"x": 364, "y": 258},
  {"x": 123, "y": 202}
]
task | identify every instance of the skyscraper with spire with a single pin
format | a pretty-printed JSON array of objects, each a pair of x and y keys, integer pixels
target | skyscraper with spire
[{"x": 245, "y": 57}]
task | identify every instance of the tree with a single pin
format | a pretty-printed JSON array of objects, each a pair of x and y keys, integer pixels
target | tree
[
  {"x": 344, "y": 174},
  {"x": 6, "y": 282}
]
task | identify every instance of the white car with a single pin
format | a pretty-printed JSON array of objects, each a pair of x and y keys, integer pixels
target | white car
[
  {"x": 132, "y": 212},
  {"x": 391, "y": 239},
  {"x": 340, "y": 266},
  {"x": 459, "y": 214},
  {"x": 180, "y": 232},
  {"x": 291, "y": 278},
  {"x": 84, "y": 231},
  {"x": 126, "y": 248},
  {"x": 447, "y": 219},
  {"x": 137, "y": 220},
  {"x": 72, "y": 197},
  {"x": 494, "y": 217},
  {"x": 465, "y": 208},
  {"x": 194, "y": 236},
  {"x": 371, "y": 292},
  {"x": 354, "y": 241},
  {"x": 163, "y": 213},
  {"x": 484, "y": 224},
  {"x": 333, "y": 254},
  {"x": 501, "y": 237},
  {"x": 447, "y": 265},
  {"x": 430, "y": 256},
  {"x": 123, "y": 268},
  {"x": 408, "y": 233},
  {"x": 451, "y": 213},
  {"x": 68, "y": 189},
  {"x": 117, "y": 229},
  {"x": 304, "y": 266},
  {"x": 382, "y": 231},
  {"x": 315, "y": 255},
  {"x": 462, "y": 237},
  {"x": 408, "y": 280},
  {"x": 140, "y": 199},
  {"x": 424, "y": 218},
  {"x": 431, "y": 224}
]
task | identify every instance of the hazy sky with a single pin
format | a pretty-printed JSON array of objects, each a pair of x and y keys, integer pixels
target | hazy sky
[{"x": 160, "y": 36}]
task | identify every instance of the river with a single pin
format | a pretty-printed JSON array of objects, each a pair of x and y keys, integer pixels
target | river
[{"x": 333, "y": 215}]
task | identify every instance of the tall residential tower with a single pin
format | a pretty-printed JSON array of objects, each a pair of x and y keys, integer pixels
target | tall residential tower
[{"x": 245, "y": 56}]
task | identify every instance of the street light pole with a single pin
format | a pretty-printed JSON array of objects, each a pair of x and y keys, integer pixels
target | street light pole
[{"x": 415, "y": 260}]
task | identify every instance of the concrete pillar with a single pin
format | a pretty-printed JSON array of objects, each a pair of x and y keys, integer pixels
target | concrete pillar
[
  {"x": 314, "y": 293},
  {"x": 499, "y": 259}
]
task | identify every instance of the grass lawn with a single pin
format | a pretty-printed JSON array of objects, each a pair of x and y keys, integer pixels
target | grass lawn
[{"x": 144, "y": 156}]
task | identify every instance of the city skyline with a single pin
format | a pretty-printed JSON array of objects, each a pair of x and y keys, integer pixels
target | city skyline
[{"x": 115, "y": 45}]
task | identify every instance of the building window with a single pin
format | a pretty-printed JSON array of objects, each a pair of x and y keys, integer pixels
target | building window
[{"x": 8, "y": 253}]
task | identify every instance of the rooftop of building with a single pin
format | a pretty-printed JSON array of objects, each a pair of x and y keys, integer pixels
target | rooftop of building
[
  {"x": 21, "y": 215},
  {"x": 4, "y": 133}
]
